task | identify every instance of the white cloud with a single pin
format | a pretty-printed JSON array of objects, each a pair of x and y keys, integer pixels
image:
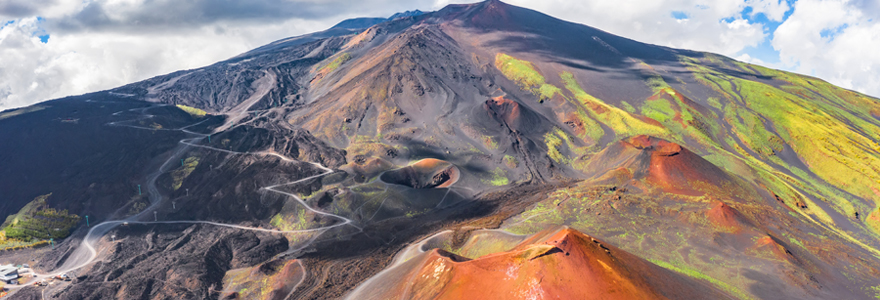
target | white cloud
[
  {"x": 849, "y": 59},
  {"x": 116, "y": 44},
  {"x": 846, "y": 55},
  {"x": 749, "y": 59},
  {"x": 713, "y": 25},
  {"x": 774, "y": 10},
  {"x": 71, "y": 64},
  {"x": 100, "y": 44}
]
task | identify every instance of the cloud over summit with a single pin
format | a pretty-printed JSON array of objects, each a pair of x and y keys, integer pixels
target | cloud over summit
[{"x": 51, "y": 48}]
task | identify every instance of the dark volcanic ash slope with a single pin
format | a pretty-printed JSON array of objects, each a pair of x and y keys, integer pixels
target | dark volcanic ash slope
[
  {"x": 68, "y": 148},
  {"x": 488, "y": 115}
]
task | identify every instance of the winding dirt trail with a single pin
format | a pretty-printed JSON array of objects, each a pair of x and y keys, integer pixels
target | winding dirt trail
[{"x": 86, "y": 253}]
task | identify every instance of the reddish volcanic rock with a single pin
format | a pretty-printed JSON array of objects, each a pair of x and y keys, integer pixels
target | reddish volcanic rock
[
  {"x": 565, "y": 264},
  {"x": 664, "y": 165},
  {"x": 505, "y": 109},
  {"x": 513, "y": 115},
  {"x": 769, "y": 246},
  {"x": 722, "y": 215}
]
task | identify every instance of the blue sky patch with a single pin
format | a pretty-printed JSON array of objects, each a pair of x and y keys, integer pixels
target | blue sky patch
[
  {"x": 764, "y": 51},
  {"x": 679, "y": 15},
  {"x": 40, "y": 32},
  {"x": 830, "y": 33}
]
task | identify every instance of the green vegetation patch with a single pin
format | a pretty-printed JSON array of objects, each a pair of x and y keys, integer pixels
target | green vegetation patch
[
  {"x": 138, "y": 204},
  {"x": 697, "y": 274},
  {"x": 657, "y": 83},
  {"x": 593, "y": 131},
  {"x": 181, "y": 173},
  {"x": 628, "y": 107},
  {"x": 659, "y": 109},
  {"x": 36, "y": 222},
  {"x": 498, "y": 178},
  {"x": 21, "y": 111},
  {"x": 816, "y": 122},
  {"x": 195, "y": 112},
  {"x": 623, "y": 123},
  {"x": 874, "y": 291},
  {"x": 750, "y": 129},
  {"x": 290, "y": 222},
  {"x": 829, "y": 128},
  {"x": 338, "y": 61},
  {"x": 554, "y": 147},
  {"x": 524, "y": 74},
  {"x": 639, "y": 225},
  {"x": 680, "y": 117},
  {"x": 836, "y": 152}
]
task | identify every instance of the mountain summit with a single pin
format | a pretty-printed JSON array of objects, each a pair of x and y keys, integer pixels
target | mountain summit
[
  {"x": 437, "y": 155},
  {"x": 359, "y": 23}
]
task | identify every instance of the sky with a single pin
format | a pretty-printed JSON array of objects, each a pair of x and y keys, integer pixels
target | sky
[{"x": 55, "y": 48}]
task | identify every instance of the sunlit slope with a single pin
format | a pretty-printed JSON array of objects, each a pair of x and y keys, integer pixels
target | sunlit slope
[
  {"x": 761, "y": 182},
  {"x": 795, "y": 155},
  {"x": 556, "y": 263},
  {"x": 803, "y": 139}
]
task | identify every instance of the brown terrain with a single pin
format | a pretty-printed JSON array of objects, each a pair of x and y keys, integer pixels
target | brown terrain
[
  {"x": 437, "y": 156},
  {"x": 563, "y": 264}
]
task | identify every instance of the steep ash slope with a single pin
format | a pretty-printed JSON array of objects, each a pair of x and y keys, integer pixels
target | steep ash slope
[{"x": 718, "y": 177}]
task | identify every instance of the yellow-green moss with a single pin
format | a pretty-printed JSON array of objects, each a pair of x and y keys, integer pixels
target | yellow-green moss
[
  {"x": 623, "y": 123},
  {"x": 628, "y": 107},
  {"x": 823, "y": 125},
  {"x": 290, "y": 222},
  {"x": 182, "y": 172},
  {"x": 523, "y": 73},
  {"x": 554, "y": 144},
  {"x": 497, "y": 178},
  {"x": 733, "y": 291},
  {"x": 35, "y": 222},
  {"x": 195, "y": 112},
  {"x": 21, "y": 111},
  {"x": 338, "y": 61}
]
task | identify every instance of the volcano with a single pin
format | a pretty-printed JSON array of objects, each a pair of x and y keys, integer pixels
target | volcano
[
  {"x": 435, "y": 155},
  {"x": 559, "y": 263}
]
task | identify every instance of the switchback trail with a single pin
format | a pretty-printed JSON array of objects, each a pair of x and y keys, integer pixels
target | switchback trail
[{"x": 86, "y": 253}]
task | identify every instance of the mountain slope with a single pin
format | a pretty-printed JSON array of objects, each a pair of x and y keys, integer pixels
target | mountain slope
[
  {"x": 733, "y": 179},
  {"x": 563, "y": 264}
]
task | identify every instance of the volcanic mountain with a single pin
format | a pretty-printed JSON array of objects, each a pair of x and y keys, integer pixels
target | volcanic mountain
[
  {"x": 564, "y": 264},
  {"x": 314, "y": 166}
]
